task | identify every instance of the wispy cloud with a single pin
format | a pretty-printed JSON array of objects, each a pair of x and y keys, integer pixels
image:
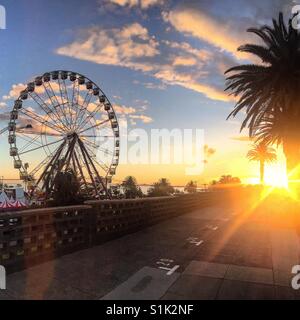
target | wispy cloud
[
  {"x": 133, "y": 47},
  {"x": 151, "y": 85},
  {"x": 132, "y": 114},
  {"x": 127, "y": 47},
  {"x": 121, "y": 109},
  {"x": 14, "y": 91},
  {"x": 143, "y": 4},
  {"x": 143, "y": 118},
  {"x": 224, "y": 36}
]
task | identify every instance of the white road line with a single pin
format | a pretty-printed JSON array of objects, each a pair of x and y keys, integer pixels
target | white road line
[
  {"x": 173, "y": 270},
  {"x": 200, "y": 242},
  {"x": 195, "y": 241}
]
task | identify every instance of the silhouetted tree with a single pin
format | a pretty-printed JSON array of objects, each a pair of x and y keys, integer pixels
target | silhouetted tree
[
  {"x": 66, "y": 189},
  {"x": 226, "y": 179},
  {"x": 264, "y": 154},
  {"x": 270, "y": 92},
  {"x": 161, "y": 188},
  {"x": 131, "y": 189},
  {"x": 191, "y": 187},
  {"x": 115, "y": 191}
]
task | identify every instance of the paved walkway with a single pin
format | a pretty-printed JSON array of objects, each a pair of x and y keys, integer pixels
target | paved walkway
[{"x": 212, "y": 253}]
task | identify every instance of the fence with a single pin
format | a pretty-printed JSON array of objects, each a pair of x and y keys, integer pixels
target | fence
[{"x": 32, "y": 236}]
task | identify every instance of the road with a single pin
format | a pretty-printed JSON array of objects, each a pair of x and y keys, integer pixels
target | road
[{"x": 212, "y": 253}]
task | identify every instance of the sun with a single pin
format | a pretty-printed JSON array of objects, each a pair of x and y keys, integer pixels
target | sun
[{"x": 276, "y": 176}]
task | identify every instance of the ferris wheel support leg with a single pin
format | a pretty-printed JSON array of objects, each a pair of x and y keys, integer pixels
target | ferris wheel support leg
[
  {"x": 51, "y": 164},
  {"x": 95, "y": 169},
  {"x": 88, "y": 166},
  {"x": 66, "y": 161},
  {"x": 80, "y": 169}
]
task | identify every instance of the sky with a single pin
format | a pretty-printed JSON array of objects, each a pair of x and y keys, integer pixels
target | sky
[{"x": 160, "y": 62}]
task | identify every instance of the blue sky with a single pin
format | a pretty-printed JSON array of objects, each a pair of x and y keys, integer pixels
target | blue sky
[{"x": 165, "y": 59}]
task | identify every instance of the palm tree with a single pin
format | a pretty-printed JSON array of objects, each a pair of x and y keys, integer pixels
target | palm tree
[
  {"x": 270, "y": 92},
  {"x": 161, "y": 188},
  {"x": 191, "y": 187},
  {"x": 229, "y": 179},
  {"x": 264, "y": 154}
]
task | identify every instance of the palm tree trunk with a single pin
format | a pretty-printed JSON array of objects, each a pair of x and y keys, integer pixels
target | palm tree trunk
[
  {"x": 292, "y": 154},
  {"x": 262, "y": 171}
]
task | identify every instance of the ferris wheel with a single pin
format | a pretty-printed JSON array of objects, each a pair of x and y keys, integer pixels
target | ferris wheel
[{"x": 63, "y": 121}]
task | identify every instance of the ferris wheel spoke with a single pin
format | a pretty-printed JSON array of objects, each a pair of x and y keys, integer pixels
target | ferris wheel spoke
[
  {"x": 29, "y": 144},
  {"x": 41, "y": 133},
  {"x": 96, "y": 136},
  {"x": 27, "y": 139},
  {"x": 59, "y": 105},
  {"x": 106, "y": 151},
  {"x": 84, "y": 108},
  {"x": 90, "y": 116},
  {"x": 92, "y": 144},
  {"x": 45, "y": 107},
  {"x": 94, "y": 126},
  {"x": 43, "y": 146},
  {"x": 42, "y": 121},
  {"x": 88, "y": 136},
  {"x": 75, "y": 100},
  {"x": 103, "y": 166},
  {"x": 72, "y": 105},
  {"x": 43, "y": 162},
  {"x": 55, "y": 104},
  {"x": 64, "y": 97}
]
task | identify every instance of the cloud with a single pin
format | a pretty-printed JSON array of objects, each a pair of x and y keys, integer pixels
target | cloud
[
  {"x": 3, "y": 105},
  {"x": 224, "y": 27},
  {"x": 4, "y": 116},
  {"x": 14, "y": 91},
  {"x": 133, "y": 47},
  {"x": 132, "y": 114},
  {"x": 143, "y": 118},
  {"x": 151, "y": 85},
  {"x": 224, "y": 36},
  {"x": 184, "y": 61},
  {"x": 23, "y": 121},
  {"x": 143, "y": 4},
  {"x": 125, "y": 47},
  {"x": 202, "y": 54},
  {"x": 121, "y": 109}
]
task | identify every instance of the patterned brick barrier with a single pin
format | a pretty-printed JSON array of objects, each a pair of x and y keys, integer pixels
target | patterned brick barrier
[
  {"x": 32, "y": 236},
  {"x": 111, "y": 219}
]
